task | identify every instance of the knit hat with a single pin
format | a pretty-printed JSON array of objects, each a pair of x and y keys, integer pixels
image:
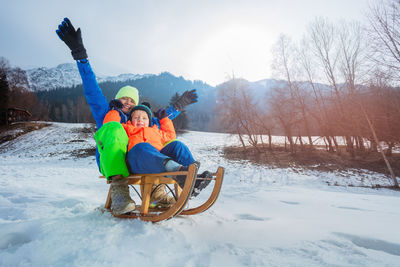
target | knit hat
[
  {"x": 147, "y": 110},
  {"x": 128, "y": 91}
]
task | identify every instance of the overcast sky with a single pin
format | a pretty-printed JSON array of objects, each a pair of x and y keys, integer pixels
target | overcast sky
[{"x": 204, "y": 40}]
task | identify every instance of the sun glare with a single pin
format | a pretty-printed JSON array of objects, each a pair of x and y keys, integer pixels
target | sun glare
[{"x": 241, "y": 51}]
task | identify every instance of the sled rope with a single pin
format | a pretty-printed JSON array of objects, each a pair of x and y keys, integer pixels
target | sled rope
[
  {"x": 137, "y": 192},
  {"x": 155, "y": 188},
  {"x": 172, "y": 192}
]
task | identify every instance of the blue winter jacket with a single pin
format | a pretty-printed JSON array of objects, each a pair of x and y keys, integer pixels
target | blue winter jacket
[{"x": 98, "y": 102}]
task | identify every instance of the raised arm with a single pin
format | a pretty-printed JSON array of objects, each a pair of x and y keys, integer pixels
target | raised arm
[
  {"x": 94, "y": 96},
  {"x": 167, "y": 130},
  {"x": 187, "y": 98}
]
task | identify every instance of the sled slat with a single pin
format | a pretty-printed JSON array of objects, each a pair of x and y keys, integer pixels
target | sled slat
[
  {"x": 148, "y": 183},
  {"x": 214, "y": 195}
]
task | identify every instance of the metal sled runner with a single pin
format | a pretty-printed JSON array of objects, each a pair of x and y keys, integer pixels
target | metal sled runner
[{"x": 146, "y": 182}]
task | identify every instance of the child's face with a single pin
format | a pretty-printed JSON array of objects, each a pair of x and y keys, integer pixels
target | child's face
[
  {"x": 140, "y": 118},
  {"x": 128, "y": 104}
]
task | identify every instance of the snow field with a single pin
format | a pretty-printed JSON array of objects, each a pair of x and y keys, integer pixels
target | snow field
[{"x": 50, "y": 216}]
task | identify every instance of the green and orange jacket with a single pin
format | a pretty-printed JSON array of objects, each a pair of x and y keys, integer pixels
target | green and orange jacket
[{"x": 157, "y": 137}]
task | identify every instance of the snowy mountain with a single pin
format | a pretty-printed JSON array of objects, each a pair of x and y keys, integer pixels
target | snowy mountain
[
  {"x": 50, "y": 197},
  {"x": 67, "y": 75}
]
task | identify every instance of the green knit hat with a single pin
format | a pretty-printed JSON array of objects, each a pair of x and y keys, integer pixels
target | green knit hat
[{"x": 128, "y": 91}]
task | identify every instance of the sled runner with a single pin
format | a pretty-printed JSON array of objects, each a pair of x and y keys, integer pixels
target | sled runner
[{"x": 146, "y": 182}]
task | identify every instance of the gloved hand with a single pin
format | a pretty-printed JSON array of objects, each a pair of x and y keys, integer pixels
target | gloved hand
[
  {"x": 187, "y": 98},
  {"x": 72, "y": 38},
  {"x": 147, "y": 104},
  {"x": 160, "y": 114},
  {"x": 115, "y": 104}
]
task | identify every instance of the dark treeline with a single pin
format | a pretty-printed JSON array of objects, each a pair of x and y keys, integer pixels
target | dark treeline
[
  {"x": 15, "y": 93},
  {"x": 68, "y": 104}
]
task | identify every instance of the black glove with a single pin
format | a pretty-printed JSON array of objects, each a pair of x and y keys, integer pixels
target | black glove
[
  {"x": 72, "y": 39},
  {"x": 115, "y": 104},
  {"x": 147, "y": 104},
  {"x": 160, "y": 114},
  {"x": 187, "y": 98}
]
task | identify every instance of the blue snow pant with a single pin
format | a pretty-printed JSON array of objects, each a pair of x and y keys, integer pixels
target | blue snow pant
[{"x": 145, "y": 158}]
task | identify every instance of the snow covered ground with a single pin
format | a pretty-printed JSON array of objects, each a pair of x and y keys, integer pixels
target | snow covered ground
[{"x": 49, "y": 213}]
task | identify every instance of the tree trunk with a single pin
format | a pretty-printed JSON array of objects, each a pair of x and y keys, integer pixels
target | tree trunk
[
  {"x": 330, "y": 147},
  {"x": 335, "y": 142},
  {"x": 374, "y": 146},
  {"x": 270, "y": 139},
  {"x": 371, "y": 127},
  {"x": 361, "y": 143},
  {"x": 291, "y": 144},
  {"x": 241, "y": 141},
  {"x": 301, "y": 143},
  {"x": 349, "y": 146},
  {"x": 389, "y": 150}
]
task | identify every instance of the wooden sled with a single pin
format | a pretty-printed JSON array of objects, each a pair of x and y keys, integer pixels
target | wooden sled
[{"x": 146, "y": 182}]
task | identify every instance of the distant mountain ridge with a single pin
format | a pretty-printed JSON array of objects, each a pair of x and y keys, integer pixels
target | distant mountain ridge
[
  {"x": 62, "y": 85},
  {"x": 67, "y": 75}
]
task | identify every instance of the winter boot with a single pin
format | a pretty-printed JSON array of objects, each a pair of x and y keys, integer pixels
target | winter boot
[
  {"x": 201, "y": 184},
  {"x": 121, "y": 201},
  {"x": 159, "y": 198},
  {"x": 180, "y": 179}
]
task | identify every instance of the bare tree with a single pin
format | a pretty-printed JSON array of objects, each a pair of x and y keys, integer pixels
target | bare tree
[
  {"x": 249, "y": 112},
  {"x": 285, "y": 64},
  {"x": 241, "y": 113},
  {"x": 352, "y": 55},
  {"x": 282, "y": 109},
  {"x": 230, "y": 116},
  {"x": 323, "y": 36},
  {"x": 394, "y": 179},
  {"x": 384, "y": 35},
  {"x": 308, "y": 71},
  {"x": 264, "y": 124}
]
